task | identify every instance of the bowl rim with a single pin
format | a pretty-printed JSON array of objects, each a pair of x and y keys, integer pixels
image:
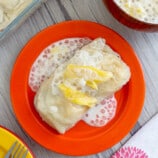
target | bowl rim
[{"x": 132, "y": 17}]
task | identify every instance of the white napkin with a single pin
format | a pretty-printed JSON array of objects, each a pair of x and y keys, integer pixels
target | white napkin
[{"x": 144, "y": 144}]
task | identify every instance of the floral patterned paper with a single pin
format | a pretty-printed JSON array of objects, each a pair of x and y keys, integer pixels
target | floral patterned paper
[{"x": 130, "y": 152}]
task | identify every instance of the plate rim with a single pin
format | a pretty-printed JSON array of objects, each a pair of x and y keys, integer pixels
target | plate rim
[
  {"x": 141, "y": 101},
  {"x": 13, "y": 134}
]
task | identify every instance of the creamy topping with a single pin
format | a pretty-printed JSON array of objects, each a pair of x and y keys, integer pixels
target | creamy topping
[
  {"x": 10, "y": 9},
  {"x": 72, "y": 77},
  {"x": 102, "y": 113},
  {"x": 144, "y": 10},
  {"x": 51, "y": 57}
]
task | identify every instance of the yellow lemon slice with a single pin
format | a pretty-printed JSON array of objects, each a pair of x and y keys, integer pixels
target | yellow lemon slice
[
  {"x": 87, "y": 73},
  {"x": 77, "y": 97},
  {"x": 92, "y": 84},
  {"x": 90, "y": 74}
]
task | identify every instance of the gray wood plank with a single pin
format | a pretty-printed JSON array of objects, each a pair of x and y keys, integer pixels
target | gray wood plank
[{"x": 54, "y": 11}]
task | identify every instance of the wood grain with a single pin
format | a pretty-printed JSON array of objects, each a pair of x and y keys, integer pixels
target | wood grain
[{"x": 54, "y": 11}]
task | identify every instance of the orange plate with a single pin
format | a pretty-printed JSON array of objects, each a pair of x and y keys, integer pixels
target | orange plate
[{"x": 82, "y": 139}]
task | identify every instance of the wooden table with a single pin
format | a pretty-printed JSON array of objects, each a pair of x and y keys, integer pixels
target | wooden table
[{"x": 54, "y": 11}]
